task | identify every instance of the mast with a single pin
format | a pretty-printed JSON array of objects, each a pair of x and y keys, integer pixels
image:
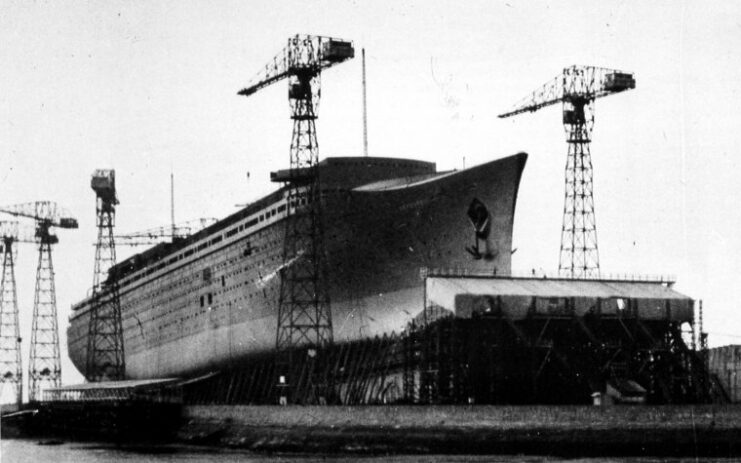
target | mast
[
  {"x": 172, "y": 204},
  {"x": 365, "y": 111}
]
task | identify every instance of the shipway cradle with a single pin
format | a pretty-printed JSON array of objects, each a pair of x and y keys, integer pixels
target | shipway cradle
[{"x": 211, "y": 299}]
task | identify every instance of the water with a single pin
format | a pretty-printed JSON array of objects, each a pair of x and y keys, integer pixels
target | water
[{"x": 34, "y": 451}]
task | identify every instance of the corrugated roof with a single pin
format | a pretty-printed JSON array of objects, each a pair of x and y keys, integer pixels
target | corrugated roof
[{"x": 447, "y": 287}]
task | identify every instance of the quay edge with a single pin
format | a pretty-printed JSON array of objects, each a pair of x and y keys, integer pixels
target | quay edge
[{"x": 687, "y": 430}]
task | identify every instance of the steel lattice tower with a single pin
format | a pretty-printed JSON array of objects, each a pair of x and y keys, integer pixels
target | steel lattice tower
[
  {"x": 304, "y": 314},
  {"x": 11, "y": 368},
  {"x": 577, "y": 88},
  {"x": 105, "y": 350},
  {"x": 579, "y": 255},
  {"x": 45, "y": 368}
]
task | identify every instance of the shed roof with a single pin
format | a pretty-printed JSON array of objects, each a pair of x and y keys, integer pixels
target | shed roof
[{"x": 447, "y": 287}]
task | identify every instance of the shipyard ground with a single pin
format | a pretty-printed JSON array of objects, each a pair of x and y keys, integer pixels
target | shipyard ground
[
  {"x": 564, "y": 430},
  {"x": 701, "y": 430}
]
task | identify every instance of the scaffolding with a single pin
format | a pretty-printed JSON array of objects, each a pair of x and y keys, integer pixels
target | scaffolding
[
  {"x": 502, "y": 340},
  {"x": 361, "y": 373},
  {"x": 538, "y": 341}
]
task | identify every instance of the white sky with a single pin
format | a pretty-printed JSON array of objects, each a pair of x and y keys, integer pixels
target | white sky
[{"x": 150, "y": 87}]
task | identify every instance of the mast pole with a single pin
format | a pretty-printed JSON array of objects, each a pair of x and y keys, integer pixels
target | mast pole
[{"x": 365, "y": 111}]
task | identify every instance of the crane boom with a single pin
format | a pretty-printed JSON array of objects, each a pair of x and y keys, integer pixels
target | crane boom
[
  {"x": 48, "y": 212},
  {"x": 576, "y": 82},
  {"x": 303, "y": 54},
  {"x": 548, "y": 94},
  {"x": 159, "y": 234},
  {"x": 15, "y": 233}
]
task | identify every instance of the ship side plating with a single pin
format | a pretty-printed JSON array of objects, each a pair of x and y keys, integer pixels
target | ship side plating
[{"x": 210, "y": 300}]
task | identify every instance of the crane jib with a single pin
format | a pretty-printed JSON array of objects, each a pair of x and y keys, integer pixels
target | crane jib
[{"x": 305, "y": 57}]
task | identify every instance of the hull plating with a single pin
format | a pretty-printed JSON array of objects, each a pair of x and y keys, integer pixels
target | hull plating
[{"x": 215, "y": 308}]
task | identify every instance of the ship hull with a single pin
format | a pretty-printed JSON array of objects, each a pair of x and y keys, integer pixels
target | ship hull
[{"x": 219, "y": 309}]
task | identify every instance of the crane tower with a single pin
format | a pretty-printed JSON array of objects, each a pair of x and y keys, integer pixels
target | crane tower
[
  {"x": 304, "y": 314},
  {"x": 11, "y": 368},
  {"x": 44, "y": 367},
  {"x": 577, "y": 88},
  {"x": 105, "y": 350}
]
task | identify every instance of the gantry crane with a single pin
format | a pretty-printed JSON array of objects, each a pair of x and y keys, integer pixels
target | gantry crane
[
  {"x": 105, "y": 350},
  {"x": 304, "y": 314},
  {"x": 577, "y": 88},
  {"x": 44, "y": 367},
  {"x": 11, "y": 366}
]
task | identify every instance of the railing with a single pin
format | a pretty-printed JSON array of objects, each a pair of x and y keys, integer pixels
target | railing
[{"x": 464, "y": 272}]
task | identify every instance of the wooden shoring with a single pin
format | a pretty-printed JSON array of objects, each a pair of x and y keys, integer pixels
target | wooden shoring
[
  {"x": 369, "y": 372},
  {"x": 386, "y": 357},
  {"x": 366, "y": 353},
  {"x": 409, "y": 365},
  {"x": 233, "y": 378},
  {"x": 361, "y": 363},
  {"x": 356, "y": 359},
  {"x": 248, "y": 387},
  {"x": 239, "y": 395}
]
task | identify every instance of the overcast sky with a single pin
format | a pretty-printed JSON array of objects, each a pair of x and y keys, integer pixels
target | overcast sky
[{"x": 149, "y": 88}]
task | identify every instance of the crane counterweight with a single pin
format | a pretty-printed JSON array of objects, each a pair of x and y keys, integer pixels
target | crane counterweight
[
  {"x": 103, "y": 183},
  {"x": 68, "y": 223},
  {"x": 337, "y": 51},
  {"x": 619, "y": 81}
]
